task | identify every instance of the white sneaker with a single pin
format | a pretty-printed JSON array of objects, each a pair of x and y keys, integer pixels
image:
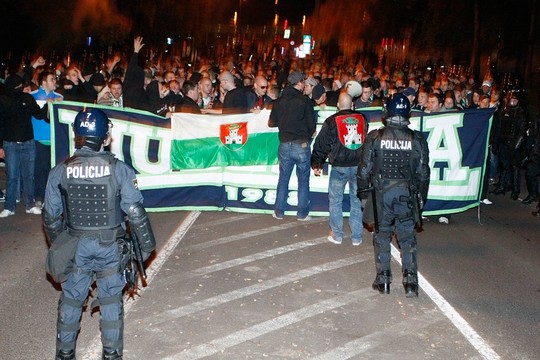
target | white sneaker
[
  {"x": 6, "y": 213},
  {"x": 307, "y": 218},
  {"x": 444, "y": 220},
  {"x": 35, "y": 211},
  {"x": 332, "y": 239},
  {"x": 486, "y": 201},
  {"x": 276, "y": 216}
]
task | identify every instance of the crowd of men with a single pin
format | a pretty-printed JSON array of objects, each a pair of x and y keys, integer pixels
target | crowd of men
[
  {"x": 166, "y": 85},
  {"x": 291, "y": 89}
]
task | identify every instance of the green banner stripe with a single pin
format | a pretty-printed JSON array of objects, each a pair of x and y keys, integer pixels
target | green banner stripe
[{"x": 260, "y": 149}]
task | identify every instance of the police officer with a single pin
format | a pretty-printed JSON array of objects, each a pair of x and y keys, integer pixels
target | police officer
[
  {"x": 394, "y": 165},
  {"x": 86, "y": 197},
  {"x": 511, "y": 145}
]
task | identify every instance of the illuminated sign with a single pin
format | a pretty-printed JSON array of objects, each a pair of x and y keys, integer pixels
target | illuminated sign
[
  {"x": 287, "y": 33},
  {"x": 307, "y": 44}
]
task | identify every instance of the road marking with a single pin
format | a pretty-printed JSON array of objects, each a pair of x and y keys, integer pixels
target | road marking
[
  {"x": 225, "y": 240},
  {"x": 185, "y": 310},
  {"x": 448, "y": 310},
  {"x": 252, "y": 332},
  {"x": 243, "y": 260},
  {"x": 380, "y": 338},
  {"x": 93, "y": 351}
]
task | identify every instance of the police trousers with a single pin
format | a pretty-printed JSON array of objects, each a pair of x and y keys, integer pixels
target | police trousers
[
  {"x": 93, "y": 258},
  {"x": 396, "y": 218}
]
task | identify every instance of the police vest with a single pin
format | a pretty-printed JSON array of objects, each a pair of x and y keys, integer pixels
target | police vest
[
  {"x": 91, "y": 193},
  {"x": 394, "y": 150}
]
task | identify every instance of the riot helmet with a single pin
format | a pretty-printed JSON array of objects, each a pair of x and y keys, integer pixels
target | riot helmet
[
  {"x": 93, "y": 125},
  {"x": 397, "y": 110}
]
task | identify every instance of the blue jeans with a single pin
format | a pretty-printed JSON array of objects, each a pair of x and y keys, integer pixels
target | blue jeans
[
  {"x": 290, "y": 154},
  {"x": 339, "y": 177},
  {"x": 20, "y": 159}
]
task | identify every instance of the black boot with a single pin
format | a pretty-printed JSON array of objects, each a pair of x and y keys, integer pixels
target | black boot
[
  {"x": 111, "y": 355},
  {"x": 410, "y": 283},
  {"x": 65, "y": 355},
  {"x": 382, "y": 282}
]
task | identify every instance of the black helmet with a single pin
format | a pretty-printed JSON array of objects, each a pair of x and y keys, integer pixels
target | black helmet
[
  {"x": 398, "y": 105},
  {"x": 91, "y": 123}
]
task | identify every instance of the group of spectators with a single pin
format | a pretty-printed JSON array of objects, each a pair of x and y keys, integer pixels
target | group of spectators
[{"x": 166, "y": 85}]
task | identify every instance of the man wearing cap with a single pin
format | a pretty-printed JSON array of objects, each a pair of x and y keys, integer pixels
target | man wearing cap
[
  {"x": 410, "y": 94},
  {"x": 294, "y": 116},
  {"x": 486, "y": 87},
  {"x": 319, "y": 96}
]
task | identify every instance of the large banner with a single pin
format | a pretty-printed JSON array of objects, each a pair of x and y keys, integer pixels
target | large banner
[{"x": 217, "y": 162}]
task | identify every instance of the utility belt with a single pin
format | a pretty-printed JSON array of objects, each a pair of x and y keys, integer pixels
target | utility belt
[
  {"x": 391, "y": 183},
  {"x": 106, "y": 236}
]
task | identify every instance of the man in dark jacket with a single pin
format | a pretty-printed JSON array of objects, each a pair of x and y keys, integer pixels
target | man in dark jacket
[
  {"x": 189, "y": 103},
  {"x": 235, "y": 101},
  {"x": 294, "y": 116},
  {"x": 17, "y": 138},
  {"x": 339, "y": 140}
]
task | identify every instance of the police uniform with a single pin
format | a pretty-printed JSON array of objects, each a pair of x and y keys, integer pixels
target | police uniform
[
  {"x": 394, "y": 161},
  {"x": 511, "y": 145},
  {"x": 86, "y": 197}
]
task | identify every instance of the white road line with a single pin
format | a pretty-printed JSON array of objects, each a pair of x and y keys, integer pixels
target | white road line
[
  {"x": 252, "y": 332},
  {"x": 93, "y": 351},
  {"x": 236, "y": 237},
  {"x": 448, "y": 310},
  {"x": 191, "y": 308},
  {"x": 243, "y": 260},
  {"x": 380, "y": 338}
]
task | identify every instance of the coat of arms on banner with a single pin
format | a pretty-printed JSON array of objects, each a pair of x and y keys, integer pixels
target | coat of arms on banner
[
  {"x": 233, "y": 136},
  {"x": 351, "y": 130}
]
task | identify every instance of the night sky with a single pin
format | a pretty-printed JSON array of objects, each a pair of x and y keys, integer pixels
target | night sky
[
  {"x": 35, "y": 24},
  {"x": 435, "y": 28}
]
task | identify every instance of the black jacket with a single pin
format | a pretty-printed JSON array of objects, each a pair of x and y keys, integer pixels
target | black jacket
[
  {"x": 188, "y": 106},
  {"x": 16, "y": 113},
  {"x": 328, "y": 145},
  {"x": 293, "y": 114},
  {"x": 235, "y": 102},
  {"x": 133, "y": 87}
]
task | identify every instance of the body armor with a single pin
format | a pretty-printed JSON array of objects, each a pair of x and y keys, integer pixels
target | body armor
[
  {"x": 91, "y": 193},
  {"x": 513, "y": 125},
  {"x": 393, "y": 152}
]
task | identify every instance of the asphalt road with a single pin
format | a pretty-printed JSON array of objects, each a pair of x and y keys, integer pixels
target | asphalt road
[{"x": 244, "y": 286}]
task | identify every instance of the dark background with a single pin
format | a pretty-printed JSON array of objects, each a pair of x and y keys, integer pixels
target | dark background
[{"x": 479, "y": 33}]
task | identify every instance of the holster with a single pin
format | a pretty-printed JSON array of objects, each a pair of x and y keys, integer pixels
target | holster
[{"x": 60, "y": 256}]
